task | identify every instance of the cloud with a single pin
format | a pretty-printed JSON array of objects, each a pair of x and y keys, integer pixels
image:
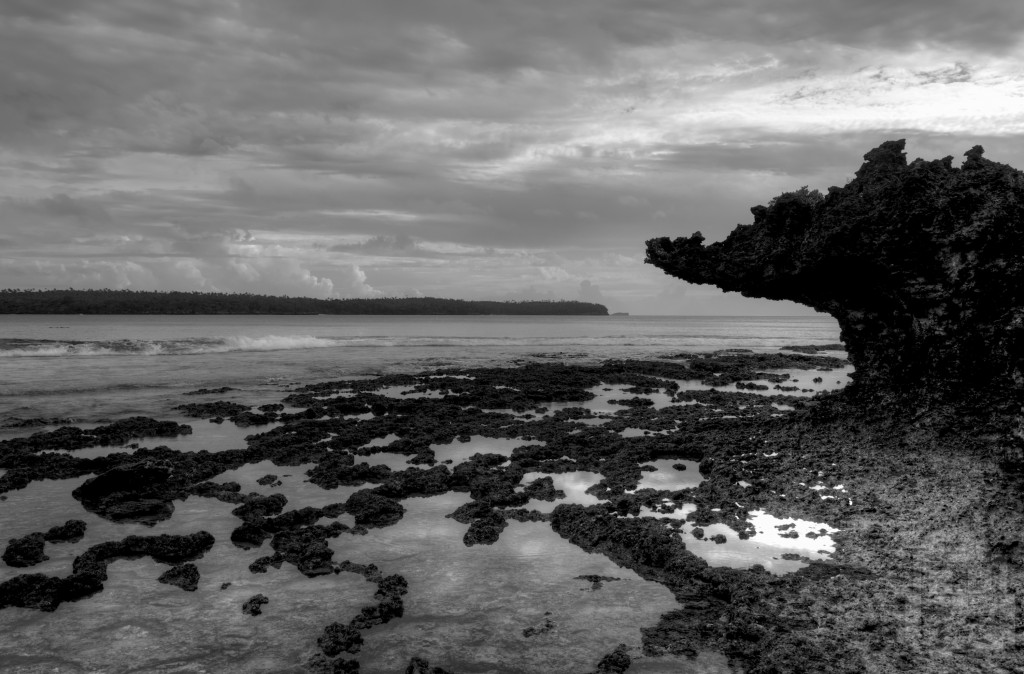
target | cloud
[
  {"x": 590, "y": 292},
  {"x": 456, "y": 147},
  {"x": 259, "y": 276},
  {"x": 62, "y": 206},
  {"x": 381, "y": 243}
]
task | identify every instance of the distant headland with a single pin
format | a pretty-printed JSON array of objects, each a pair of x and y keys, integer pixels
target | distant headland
[{"x": 183, "y": 303}]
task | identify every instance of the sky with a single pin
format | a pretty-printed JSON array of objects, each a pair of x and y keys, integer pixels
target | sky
[{"x": 462, "y": 148}]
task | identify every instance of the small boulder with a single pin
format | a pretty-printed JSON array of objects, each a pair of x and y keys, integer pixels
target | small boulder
[
  {"x": 338, "y": 638},
  {"x": 374, "y": 510},
  {"x": 185, "y": 576},
  {"x": 252, "y": 605}
]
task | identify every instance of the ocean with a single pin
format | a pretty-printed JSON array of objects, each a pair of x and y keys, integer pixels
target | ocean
[
  {"x": 94, "y": 368},
  {"x": 526, "y": 603}
]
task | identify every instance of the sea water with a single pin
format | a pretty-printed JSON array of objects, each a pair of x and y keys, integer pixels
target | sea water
[
  {"x": 467, "y": 608},
  {"x": 103, "y": 367}
]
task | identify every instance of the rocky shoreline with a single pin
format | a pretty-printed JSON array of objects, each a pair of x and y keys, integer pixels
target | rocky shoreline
[
  {"x": 916, "y": 582},
  {"x": 910, "y": 479}
]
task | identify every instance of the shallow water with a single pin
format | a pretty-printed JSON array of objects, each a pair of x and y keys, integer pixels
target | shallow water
[
  {"x": 666, "y": 477},
  {"x": 295, "y": 486},
  {"x": 138, "y": 624},
  {"x": 640, "y": 432},
  {"x": 803, "y": 380},
  {"x": 574, "y": 484},
  {"x": 390, "y": 459},
  {"x": 459, "y": 451},
  {"x": 467, "y": 607},
  {"x": 206, "y": 435},
  {"x": 766, "y": 547}
]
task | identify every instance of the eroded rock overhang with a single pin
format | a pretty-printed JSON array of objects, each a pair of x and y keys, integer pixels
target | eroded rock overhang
[{"x": 922, "y": 264}]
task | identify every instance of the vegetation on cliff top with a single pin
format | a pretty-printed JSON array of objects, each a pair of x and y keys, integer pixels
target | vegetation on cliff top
[{"x": 153, "y": 302}]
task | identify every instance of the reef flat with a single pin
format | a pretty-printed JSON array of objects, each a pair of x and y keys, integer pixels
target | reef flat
[
  {"x": 907, "y": 578},
  {"x": 615, "y": 421}
]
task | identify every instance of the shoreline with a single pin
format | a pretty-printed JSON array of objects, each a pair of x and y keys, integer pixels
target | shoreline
[{"x": 891, "y": 594}]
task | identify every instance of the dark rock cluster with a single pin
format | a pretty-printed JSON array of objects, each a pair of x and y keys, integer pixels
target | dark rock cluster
[
  {"x": 185, "y": 576},
  {"x": 89, "y": 570},
  {"x": 254, "y": 605},
  {"x": 28, "y": 550},
  {"x": 25, "y": 551},
  {"x": 418, "y": 665},
  {"x": 116, "y": 433},
  {"x": 921, "y": 263},
  {"x": 237, "y": 413}
]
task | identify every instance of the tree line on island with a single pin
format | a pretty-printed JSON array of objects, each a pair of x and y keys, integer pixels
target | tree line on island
[{"x": 13, "y": 301}]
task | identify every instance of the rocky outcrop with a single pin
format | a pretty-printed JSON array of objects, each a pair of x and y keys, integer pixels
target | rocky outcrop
[
  {"x": 616, "y": 662},
  {"x": 118, "y": 433},
  {"x": 132, "y": 492},
  {"x": 185, "y": 576},
  {"x": 921, "y": 264},
  {"x": 71, "y": 531},
  {"x": 253, "y": 605},
  {"x": 25, "y": 551},
  {"x": 29, "y": 549},
  {"x": 89, "y": 570},
  {"x": 306, "y": 548},
  {"x": 337, "y": 639},
  {"x": 373, "y": 510},
  {"x": 418, "y": 665}
]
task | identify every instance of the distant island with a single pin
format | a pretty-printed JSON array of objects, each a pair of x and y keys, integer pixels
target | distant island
[{"x": 14, "y": 301}]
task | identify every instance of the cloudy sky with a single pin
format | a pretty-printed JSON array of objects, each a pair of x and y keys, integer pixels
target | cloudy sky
[{"x": 461, "y": 148}]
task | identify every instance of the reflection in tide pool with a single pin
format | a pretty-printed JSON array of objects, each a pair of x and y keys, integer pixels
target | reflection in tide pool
[
  {"x": 467, "y": 608},
  {"x": 766, "y": 547},
  {"x": 639, "y": 432},
  {"x": 452, "y": 453},
  {"x": 294, "y": 485},
  {"x": 381, "y": 442},
  {"x": 803, "y": 380},
  {"x": 667, "y": 477},
  {"x": 770, "y": 546},
  {"x": 574, "y": 484},
  {"x": 457, "y": 451},
  {"x": 602, "y": 404},
  {"x": 392, "y": 460},
  {"x": 210, "y": 436},
  {"x": 407, "y": 392},
  {"x": 205, "y": 435},
  {"x": 138, "y": 624}
]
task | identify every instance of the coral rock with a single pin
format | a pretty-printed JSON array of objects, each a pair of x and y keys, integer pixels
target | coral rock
[{"x": 920, "y": 263}]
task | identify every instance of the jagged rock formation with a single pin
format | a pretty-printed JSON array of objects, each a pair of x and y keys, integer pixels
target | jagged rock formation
[{"x": 922, "y": 264}]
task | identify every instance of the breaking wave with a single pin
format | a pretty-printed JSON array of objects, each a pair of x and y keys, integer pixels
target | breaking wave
[
  {"x": 20, "y": 348},
  {"x": 27, "y": 348}
]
